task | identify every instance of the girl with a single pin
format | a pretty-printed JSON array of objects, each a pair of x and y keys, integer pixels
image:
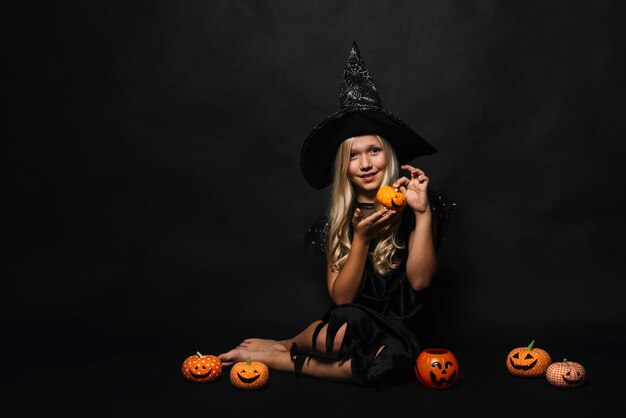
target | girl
[{"x": 379, "y": 261}]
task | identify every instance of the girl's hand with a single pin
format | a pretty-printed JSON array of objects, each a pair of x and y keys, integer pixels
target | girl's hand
[
  {"x": 368, "y": 228},
  {"x": 415, "y": 189}
]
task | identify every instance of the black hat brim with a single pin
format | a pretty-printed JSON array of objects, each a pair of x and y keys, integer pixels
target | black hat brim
[{"x": 318, "y": 151}]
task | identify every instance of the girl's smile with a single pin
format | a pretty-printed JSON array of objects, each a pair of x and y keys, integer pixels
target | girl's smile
[
  {"x": 366, "y": 167},
  {"x": 368, "y": 177}
]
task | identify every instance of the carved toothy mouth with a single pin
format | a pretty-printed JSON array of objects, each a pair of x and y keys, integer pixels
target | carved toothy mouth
[
  {"x": 442, "y": 381},
  {"x": 248, "y": 379},
  {"x": 201, "y": 376},
  {"x": 519, "y": 367}
]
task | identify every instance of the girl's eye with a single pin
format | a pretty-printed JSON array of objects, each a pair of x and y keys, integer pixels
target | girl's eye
[
  {"x": 375, "y": 150},
  {"x": 352, "y": 155}
]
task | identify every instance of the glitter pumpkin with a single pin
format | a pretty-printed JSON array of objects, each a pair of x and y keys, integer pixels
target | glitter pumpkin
[
  {"x": 391, "y": 198},
  {"x": 249, "y": 375},
  {"x": 200, "y": 368},
  {"x": 436, "y": 368},
  {"x": 528, "y": 361},
  {"x": 566, "y": 374}
]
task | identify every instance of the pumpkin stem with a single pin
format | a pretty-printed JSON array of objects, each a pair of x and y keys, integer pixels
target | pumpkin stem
[
  {"x": 198, "y": 353},
  {"x": 248, "y": 360},
  {"x": 531, "y": 345},
  {"x": 565, "y": 361}
]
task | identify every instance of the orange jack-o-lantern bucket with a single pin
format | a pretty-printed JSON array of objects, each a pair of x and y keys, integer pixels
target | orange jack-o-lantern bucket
[{"x": 436, "y": 368}]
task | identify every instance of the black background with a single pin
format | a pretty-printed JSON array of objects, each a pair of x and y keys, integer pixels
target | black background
[{"x": 153, "y": 204}]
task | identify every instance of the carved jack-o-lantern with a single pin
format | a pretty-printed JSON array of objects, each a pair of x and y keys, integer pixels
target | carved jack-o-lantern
[
  {"x": 249, "y": 375},
  {"x": 391, "y": 198},
  {"x": 528, "y": 361},
  {"x": 566, "y": 374},
  {"x": 436, "y": 368},
  {"x": 200, "y": 368}
]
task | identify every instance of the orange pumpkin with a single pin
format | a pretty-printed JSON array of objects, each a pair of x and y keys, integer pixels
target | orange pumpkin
[
  {"x": 528, "y": 361},
  {"x": 391, "y": 198},
  {"x": 201, "y": 369},
  {"x": 566, "y": 374},
  {"x": 249, "y": 375},
  {"x": 436, "y": 368}
]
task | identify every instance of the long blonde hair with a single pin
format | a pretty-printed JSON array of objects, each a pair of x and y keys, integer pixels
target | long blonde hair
[{"x": 382, "y": 256}]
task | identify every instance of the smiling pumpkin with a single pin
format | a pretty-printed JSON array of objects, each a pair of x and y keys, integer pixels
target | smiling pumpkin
[
  {"x": 436, "y": 368},
  {"x": 249, "y": 375},
  {"x": 200, "y": 368},
  {"x": 566, "y": 374},
  {"x": 528, "y": 361}
]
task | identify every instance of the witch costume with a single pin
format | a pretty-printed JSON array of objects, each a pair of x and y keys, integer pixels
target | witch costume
[{"x": 380, "y": 314}]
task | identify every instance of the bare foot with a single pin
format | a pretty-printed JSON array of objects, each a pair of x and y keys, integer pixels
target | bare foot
[
  {"x": 241, "y": 354},
  {"x": 261, "y": 344}
]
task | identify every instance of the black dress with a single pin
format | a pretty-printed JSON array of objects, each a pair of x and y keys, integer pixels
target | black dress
[{"x": 379, "y": 315}]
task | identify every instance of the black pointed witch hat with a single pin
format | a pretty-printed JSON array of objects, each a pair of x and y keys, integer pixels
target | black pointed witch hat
[{"x": 361, "y": 113}]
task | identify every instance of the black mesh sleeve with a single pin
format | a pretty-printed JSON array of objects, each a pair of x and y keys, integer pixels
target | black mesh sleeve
[
  {"x": 442, "y": 208},
  {"x": 317, "y": 236}
]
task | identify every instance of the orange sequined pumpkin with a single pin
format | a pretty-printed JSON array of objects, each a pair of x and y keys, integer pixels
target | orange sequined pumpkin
[
  {"x": 528, "y": 361},
  {"x": 249, "y": 375},
  {"x": 391, "y": 198},
  {"x": 566, "y": 374},
  {"x": 436, "y": 368},
  {"x": 201, "y": 369}
]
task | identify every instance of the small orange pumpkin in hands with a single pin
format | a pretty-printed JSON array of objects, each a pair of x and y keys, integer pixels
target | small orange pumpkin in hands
[
  {"x": 566, "y": 374},
  {"x": 391, "y": 198},
  {"x": 249, "y": 375},
  {"x": 528, "y": 361},
  {"x": 199, "y": 368}
]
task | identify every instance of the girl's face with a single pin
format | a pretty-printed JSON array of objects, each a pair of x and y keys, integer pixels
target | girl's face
[{"x": 366, "y": 167}]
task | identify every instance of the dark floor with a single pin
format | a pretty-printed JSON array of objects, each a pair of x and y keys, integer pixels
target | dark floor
[{"x": 144, "y": 379}]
